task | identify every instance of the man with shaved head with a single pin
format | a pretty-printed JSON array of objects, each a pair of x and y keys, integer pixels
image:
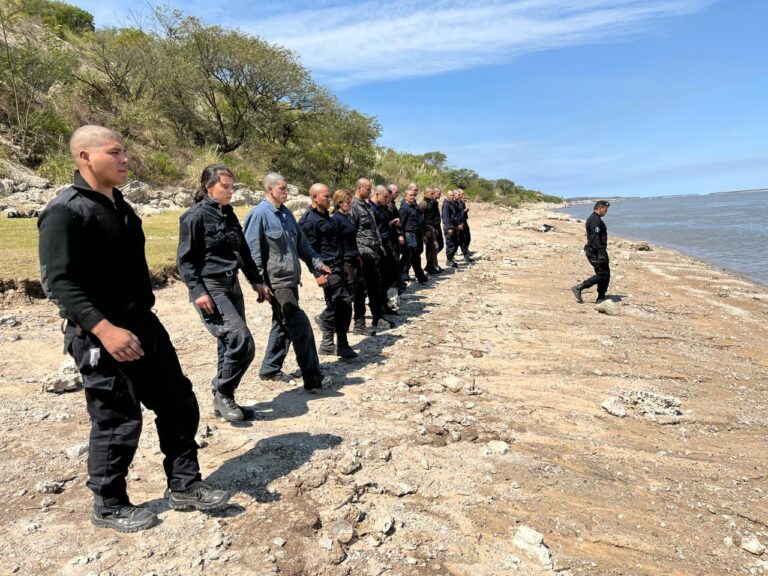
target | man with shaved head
[
  {"x": 93, "y": 267},
  {"x": 370, "y": 248},
  {"x": 339, "y": 286}
]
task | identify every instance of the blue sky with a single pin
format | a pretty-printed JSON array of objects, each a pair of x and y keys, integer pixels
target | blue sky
[{"x": 570, "y": 97}]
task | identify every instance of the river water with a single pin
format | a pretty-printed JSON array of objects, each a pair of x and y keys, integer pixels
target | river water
[{"x": 729, "y": 230}]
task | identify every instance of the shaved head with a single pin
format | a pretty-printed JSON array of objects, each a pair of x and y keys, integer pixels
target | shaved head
[
  {"x": 316, "y": 189},
  {"x": 89, "y": 137}
]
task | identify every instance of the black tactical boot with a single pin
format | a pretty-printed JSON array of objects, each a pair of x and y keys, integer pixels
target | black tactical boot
[
  {"x": 225, "y": 407},
  {"x": 577, "y": 292},
  {"x": 360, "y": 327},
  {"x": 201, "y": 497},
  {"x": 326, "y": 344},
  {"x": 343, "y": 350},
  {"x": 452, "y": 263},
  {"x": 127, "y": 518}
]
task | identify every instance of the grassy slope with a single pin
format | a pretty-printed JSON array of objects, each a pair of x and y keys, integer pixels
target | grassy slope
[{"x": 19, "y": 238}]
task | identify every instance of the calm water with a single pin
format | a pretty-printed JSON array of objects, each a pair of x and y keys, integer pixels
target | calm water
[{"x": 727, "y": 230}]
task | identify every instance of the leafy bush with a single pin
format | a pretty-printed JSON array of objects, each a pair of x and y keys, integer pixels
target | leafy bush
[
  {"x": 57, "y": 167},
  {"x": 61, "y": 16}
]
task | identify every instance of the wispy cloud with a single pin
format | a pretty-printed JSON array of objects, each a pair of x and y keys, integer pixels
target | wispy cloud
[{"x": 348, "y": 43}]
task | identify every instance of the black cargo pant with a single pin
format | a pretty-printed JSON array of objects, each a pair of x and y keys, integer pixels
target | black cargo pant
[
  {"x": 290, "y": 325},
  {"x": 430, "y": 246},
  {"x": 450, "y": 243},
  {"x": 368, "y": 283},
  {"x": 235, "y": 347},
  {"x": 602, "y": 275},
  {"x": 405, "y": 260},
  {"x": 439, "y": 240},
  {"x": 339, "y": 294},
  {"x": 416, "y": 245},
  {"x": 465, "y": 238},
  {"x": 114, "y": 393},
  {"x": 389, "y": 267}
]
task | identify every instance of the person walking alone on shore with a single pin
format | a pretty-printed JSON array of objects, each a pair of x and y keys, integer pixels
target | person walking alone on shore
[
  {"x": 211, "y": 250},
  {"x": 596, "y": 251}
]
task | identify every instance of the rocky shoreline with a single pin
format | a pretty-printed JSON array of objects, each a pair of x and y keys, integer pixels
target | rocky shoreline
[{"x": 501, "y": 429}]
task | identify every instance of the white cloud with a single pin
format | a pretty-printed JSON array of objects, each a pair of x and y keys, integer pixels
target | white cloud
[{"x": 358, "y": 43}]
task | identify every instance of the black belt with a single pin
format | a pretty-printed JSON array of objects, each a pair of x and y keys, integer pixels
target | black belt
[{"x": 227, "y": 274}]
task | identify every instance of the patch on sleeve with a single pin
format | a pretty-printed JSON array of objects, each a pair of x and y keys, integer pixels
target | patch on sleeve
[{"x": 597, "y": 229}]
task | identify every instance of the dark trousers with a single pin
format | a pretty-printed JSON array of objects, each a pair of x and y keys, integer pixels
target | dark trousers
[
  {"x": 114, "y": 393},
  {"x": 416, "y": 245},
  {"x": 405, "y": 261},
  {"x": 389, "y": 267},
  {"x": 465, "y": 237},
  {"x": 430, "y": 247},
  {"x": 439, "y": 240},
  {"x": 450, "y": 243},
  {"x": 290, "y": 325},
  {"x": 368, "y": 283},
  {"x": 234, "y": 345},
  {"x": 602, "y": 276},
  {"x": 339, "y": 294}
]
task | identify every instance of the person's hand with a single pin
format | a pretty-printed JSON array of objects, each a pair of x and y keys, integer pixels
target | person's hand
[
  {"x": 123, "y": 345},
  {"x": 322, "y": 281},
  {"x": 205, "y": 303},
  {"x": 450, "y": 232},
  {"x": 401, "y": 240},
  {"x": 265, "y": 294},
  {"x": 325, "y": 270},
  {"x": 395, "y": 222},
  {"x": 461, "y": 226}
]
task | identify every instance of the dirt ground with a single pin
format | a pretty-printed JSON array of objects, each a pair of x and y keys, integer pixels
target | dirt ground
[{"x": 475, "y": 420}]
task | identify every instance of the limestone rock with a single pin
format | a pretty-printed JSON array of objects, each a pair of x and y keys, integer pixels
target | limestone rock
[
  {"x": 608, "y": 307},
  {"x": 614, "y": 406},
  {"x": 342, "y": 531},
  {"x": 20, "y": 174},
  {"x": 453, "y": 383},
  {"x": 496, "y": 447},
  {"x": 348, "y": 464},
  {"x": 135, "y": 191},
  {"x": 298, "y": 203},
  {"x": 531, "y": 542},
  {"x": 752, "y": 545},
  {"x": 74, "y": 452},
  {"x": 58, "y": 383}
]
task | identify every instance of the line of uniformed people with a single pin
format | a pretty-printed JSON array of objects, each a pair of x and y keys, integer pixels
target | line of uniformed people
[{"x": 360, "y": 252}]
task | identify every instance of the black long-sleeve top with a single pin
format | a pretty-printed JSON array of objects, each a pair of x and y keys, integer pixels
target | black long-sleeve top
[
  {"x": 597, "y": 232},
  {"x": 323, "y": 235},
  {"x": 431, "y": 212},
  {"x": 383, "y": 220},
  {"x": 451, "y": 215},
  {"x": 348, "y": 235},
  {"x": 92, "y": 263},
  {"x": 411, "y": 218},
  {"x": 211, "y": 243}
]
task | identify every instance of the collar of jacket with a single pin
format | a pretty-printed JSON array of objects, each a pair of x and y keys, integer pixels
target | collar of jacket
[
  {"x": 81, "y": 185},
  {"x": 211, "y": 202}
]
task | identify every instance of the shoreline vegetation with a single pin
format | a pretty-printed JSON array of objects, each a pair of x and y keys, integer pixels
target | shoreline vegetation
[
  {"x": 526, "y": 434},
  {"x": 186, "y": 94}
]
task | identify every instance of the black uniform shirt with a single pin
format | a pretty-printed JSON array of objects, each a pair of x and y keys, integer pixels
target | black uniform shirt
[
  {"x": 322, "y": 234},
  {"x": 411, "y": 218},
  {"x": 211, "y": 243},
  {"x": 348, "y": 234},
  {"x": 382, "y": 221},
  {"x": 92, "y": 262},
  {"x": 597, "y": 232},
  {"x": 431, "y": 212}
]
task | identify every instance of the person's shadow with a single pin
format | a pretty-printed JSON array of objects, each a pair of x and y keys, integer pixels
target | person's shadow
[
  {"x": 251, "y": 472},
  {"x": 270, "y": 459},
  {"x": 289, "y": 403}
]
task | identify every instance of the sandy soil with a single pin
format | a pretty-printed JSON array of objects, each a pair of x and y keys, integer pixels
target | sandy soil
[{"x": 479, "y": 415}]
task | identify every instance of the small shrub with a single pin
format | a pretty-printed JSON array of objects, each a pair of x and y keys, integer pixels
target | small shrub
[{"x": 57, "y": 167}]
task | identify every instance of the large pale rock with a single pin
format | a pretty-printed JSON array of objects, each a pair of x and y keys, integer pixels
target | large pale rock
[
  {"x": 136, "y": 191},
  {"x": 6, "y": 187},
  {"x": 531, "y": 542},
  {"x": 298, "y": 203},
  {"x": 614, "y": 407},
  {"x": 19, "y": 174}
]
